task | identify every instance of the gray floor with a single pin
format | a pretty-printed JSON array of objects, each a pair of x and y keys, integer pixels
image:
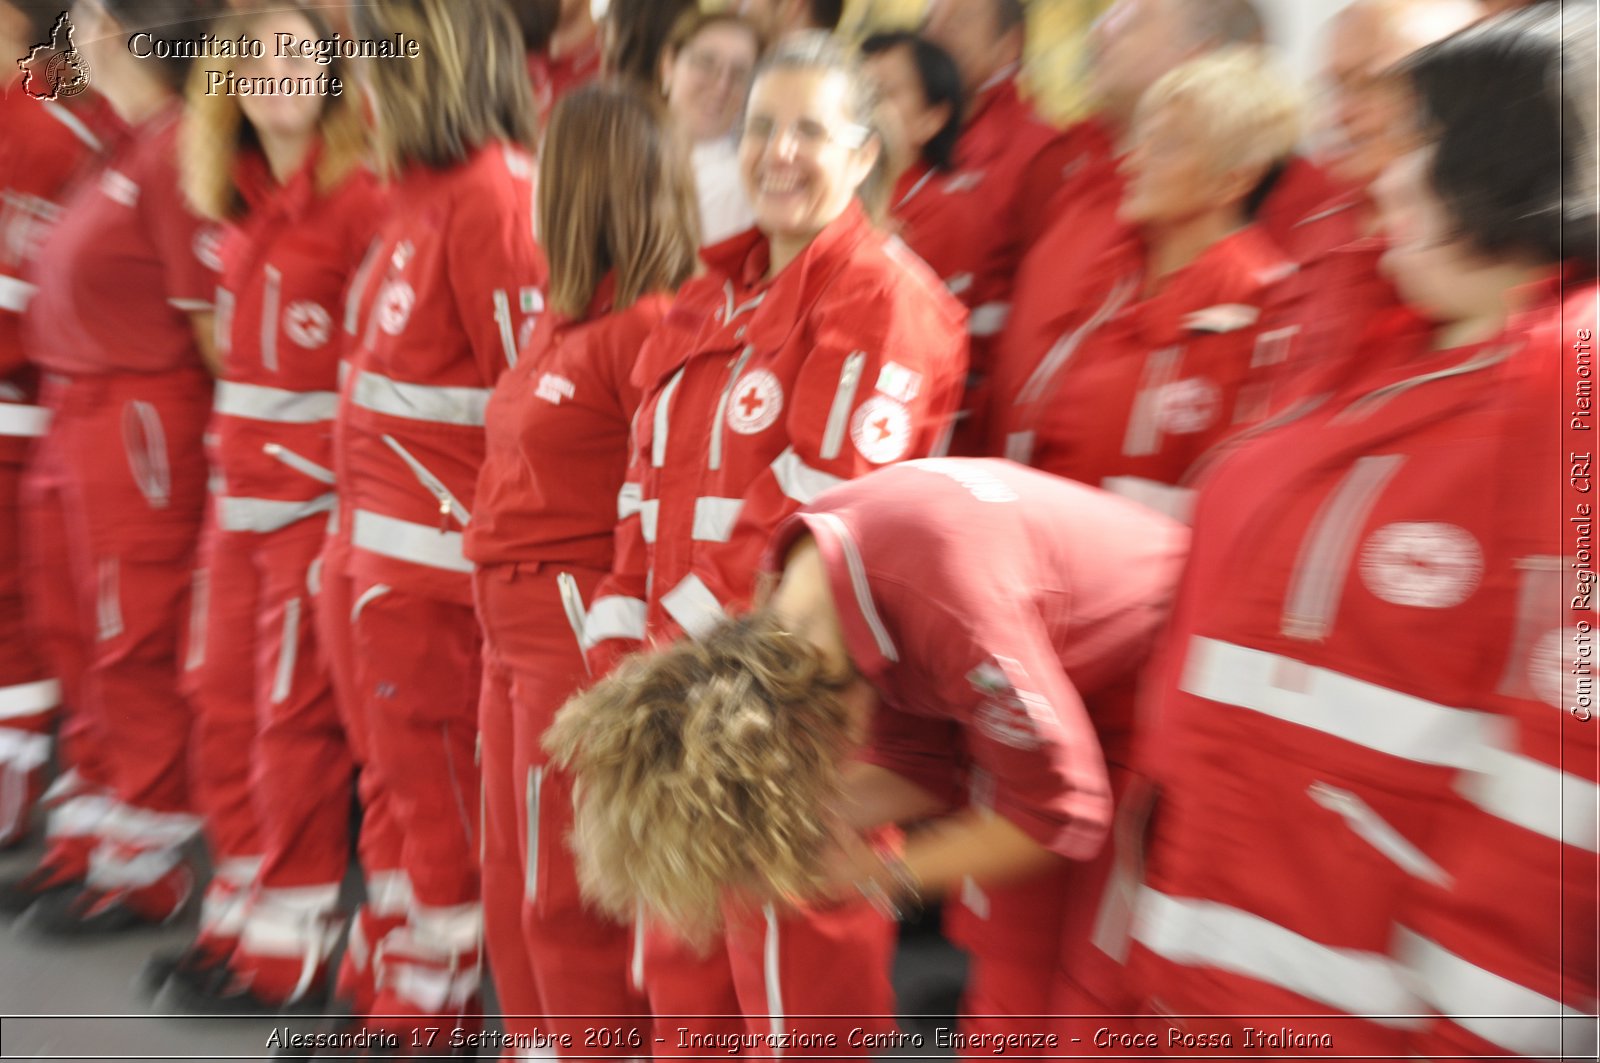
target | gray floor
[{"x": 81, "y": 1000}]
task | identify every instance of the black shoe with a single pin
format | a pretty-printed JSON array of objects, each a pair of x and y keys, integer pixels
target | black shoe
[
  {"x": 220, "y": 990},
  {"x": 194, "y": 960},
  {"x": 88, "y": 912},
  {"x": 21, "y": 892}
]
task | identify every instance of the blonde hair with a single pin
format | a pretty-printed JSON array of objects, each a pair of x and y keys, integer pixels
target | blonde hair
[
  {"x": 214, "y": 127},
  {"x": 615, "y": 194},
  {"x": 1236, "y": 102},
  {"x": 468, "y": 86},
  {"x": 705, "y": 770}
]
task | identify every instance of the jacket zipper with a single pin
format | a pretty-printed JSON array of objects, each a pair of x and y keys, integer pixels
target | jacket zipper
[
  {"x": 843, "y": 400},
  {"x": 1325, "y": 553},
  {"x": 305, "y": 466},
  {"x": 269, "y": 319},
  {"x": 572, "y": 602},
  {"x": 719, "y": 426},
  {"x": 1376, "y": 831},
  {"x": 449, "y": 505}
]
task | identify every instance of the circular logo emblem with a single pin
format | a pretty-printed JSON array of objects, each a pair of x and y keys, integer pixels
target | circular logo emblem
[
  {"x": 394, "y": 306},
  {"x": 881, "y": 430},
  {"x": 307, "y": 323},
  {"x": 1427, "y": 565},
  {"x": 1189, "y": 406},
  {"x": 756, "y": 402},
  {"x": 208, "y": 247},
  {"x": 67, "y": 74}
]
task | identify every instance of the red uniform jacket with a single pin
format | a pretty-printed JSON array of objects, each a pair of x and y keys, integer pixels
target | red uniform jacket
[
  {"x": 1361, "y": 721},
  {"x": 759, "y": 395},
  {"x": 1002, "y": 616},
  {"x": 558, "y": 438},
  {"x": 452, "y": 282},
  {"x": 285, "y": 268},
  {"x": 125, "y": 266},
  {"x": 552, "y": 77},
  {"x": 940, "y": 221},
  {"x": 1056, "y": 284},
  {"x": 1143, "y": 386}
]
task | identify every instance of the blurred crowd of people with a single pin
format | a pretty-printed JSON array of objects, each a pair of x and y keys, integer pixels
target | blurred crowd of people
[{"x": 596, "y": 450}]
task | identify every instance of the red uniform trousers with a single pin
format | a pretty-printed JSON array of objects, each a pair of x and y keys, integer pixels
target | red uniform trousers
[
  {"x": 271, "y": 767},
  {"x": 28, "y": 695},
  {"x": 552, "y": 955},
  {"x": 418, "y": 669},
  {"x": 388, "y": 892},
  {"x": 823, "y": 971},
  {"x": 134, "y": 492}
]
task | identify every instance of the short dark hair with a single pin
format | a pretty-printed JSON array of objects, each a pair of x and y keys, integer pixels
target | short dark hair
[
  {"x": 941, "y": 83},
  {"x": 1509, "y": 103},
  {"x": 639, "y": 33},
  {"x": 825, "y": 14},
  {"x": 178, "y": 20}
]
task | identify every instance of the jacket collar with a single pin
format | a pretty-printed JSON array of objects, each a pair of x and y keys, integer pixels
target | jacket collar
[{"x": 262, "y": 192}]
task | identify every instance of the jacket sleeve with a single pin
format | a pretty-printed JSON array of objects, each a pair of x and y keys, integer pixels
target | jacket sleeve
[
  {"x": 880, "y": 385},
  {"x": 498, "y": 275}
]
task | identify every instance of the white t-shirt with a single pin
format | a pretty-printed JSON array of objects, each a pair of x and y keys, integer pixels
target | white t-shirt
[{"x": 724, "y": 209}]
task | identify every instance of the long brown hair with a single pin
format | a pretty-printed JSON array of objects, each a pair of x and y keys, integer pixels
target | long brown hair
[
  {"x": 467, "y": 87},
  {"x": 615, "y": 194},
  {"x": 215, "y": 130}
]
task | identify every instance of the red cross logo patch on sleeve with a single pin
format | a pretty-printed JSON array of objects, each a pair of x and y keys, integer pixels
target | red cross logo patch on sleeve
[
  {"x": 881, "y": 430},
  {"x": 755, "y": 402}
]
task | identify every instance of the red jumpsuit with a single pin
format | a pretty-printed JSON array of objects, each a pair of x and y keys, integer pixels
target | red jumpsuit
[
  {"x": 110, "y": 327},
  {"x": 1010, "y": 167},
  {"x": 1358, "y": 734},
  {"x": 542, "y": 534},
  {"x": 45, "y": 146},
  {"x": 1058, "y": 283},
  {"x": 451, "y": 284},
  {"x": 758, "y": 396},
  {"x": 271, "y": 767},
  {"x": 1147, "y": 383},
  {"x": 1005, "y": 657}
]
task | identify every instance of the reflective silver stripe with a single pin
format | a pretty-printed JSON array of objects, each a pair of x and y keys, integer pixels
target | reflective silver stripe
[
  {"x": 405, "y": 541},
  {"x": 1019, "y": 447},
  {"x": 358, "y": 285},
  {"x": 144, "y": 440},
  {"x": 142, "y": 827},
  {"x": 419, "y": 402},
  {"x": 959, "y": 284},
  {"x": 572, "y": 605},
  {"x": 1536, "y": 796},
  {"x": 649, "y": 513},
  {"x": 502, "y": 318},
  {"x": 629, "y": 499},
  {"x": 288, "y": 651},
  {"x": 15, "y": 293},
  {"x": 1356, "y": 711},
  {"x": 427, "y": 479},
  {"x": 858, "y": 583},
  {"x": 663, "y": 420},
  {"x": 277, "y": 405},
  {"x": 800, "y": 481},
  {"x": 74, "y": 123},
  {"x": 304, "y": 466},
  {"x": 772, "y": 970},
  {"x": 719, "y": 424},
  {"x": 269, "y": 318},
  {"x": 693, "y": 606},
  {"x": 714, "y": 518},
  {"x": 530, "y": 878},
  {"x": 29, "y": 699},
  {"x": 613, "y": 617},
  {"x": 1175, "y": 502},
  {"x": 22, "y": 750},
  {"x": 1199, "y": 933},
  {"x": 25, "y": 422},
  {"x": 1325, "y": 554},
  {"x": 988, "y": 319},
  {"x": 108, "y": 599},
  {"x": 1062, "y": 350},
  {"x": 222, "y": 321},
  {"x": 199, "y": 610},
  {"x": 843, "y": 399},
  {"x": 1364, "y": 821},
  {"x": 1516, "y": 1018},
  {"x": 1144, "y": 433},
  {"x": 262, "y": 515}
]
